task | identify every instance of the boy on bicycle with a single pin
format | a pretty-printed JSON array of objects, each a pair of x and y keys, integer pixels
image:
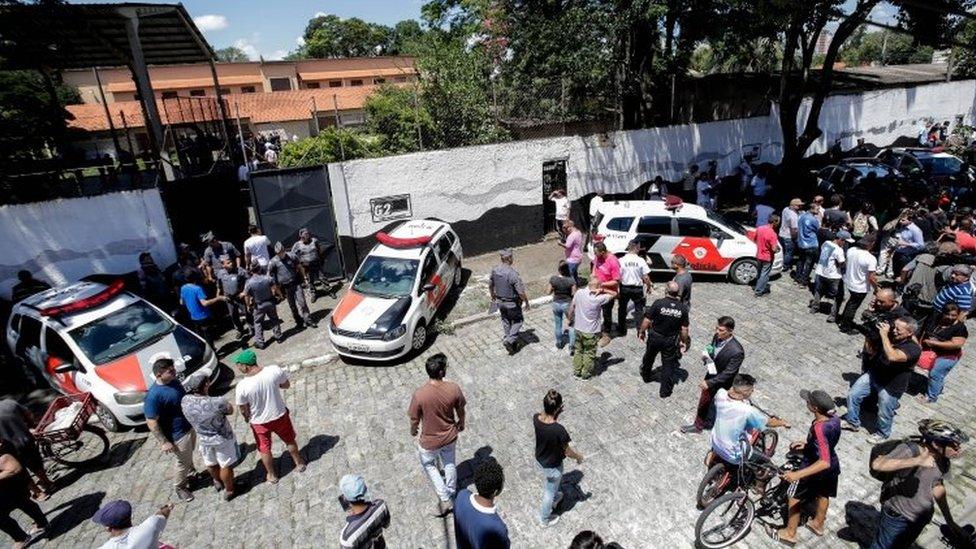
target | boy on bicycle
[{"x": 735, "y": 417}]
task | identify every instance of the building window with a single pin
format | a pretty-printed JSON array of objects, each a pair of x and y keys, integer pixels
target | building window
[
  {"x": 400, "y": 79},
  {"x": 335, "y": 83},
  {"x": 247, "y": 89},
  {"x": 169, "y": 95},
  {"x": 355, "y": 82},
  {"x": 379, "y": 80},
  {"x": 280, "y": 84},
  {"x": 313, "y": 85},
  {"x": 224, "y": 91},
  {"x": 197, "y": 93}
]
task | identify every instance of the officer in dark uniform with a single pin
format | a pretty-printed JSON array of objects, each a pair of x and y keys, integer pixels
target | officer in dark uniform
[
  {"x": 230, "y": 283},
  {"x": 284, "y": 270},
  {"x": 508, "y": 294},
  {"x": 311, "y": 255},
  {"x": 665, "y": 328},
  {"x": 259, "y": 293}
]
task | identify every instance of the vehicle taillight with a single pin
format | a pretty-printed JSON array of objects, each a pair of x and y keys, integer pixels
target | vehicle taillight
[{"x": 90, "y": 302}]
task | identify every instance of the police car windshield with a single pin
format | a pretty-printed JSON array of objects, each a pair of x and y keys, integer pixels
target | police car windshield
[
  {"x": 121, "y": 333},
  {"x": 386, "y": 276},
  {"x": 725, "y": 220}
]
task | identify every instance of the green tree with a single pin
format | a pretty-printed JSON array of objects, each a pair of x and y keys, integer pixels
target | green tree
[
  {"x": 330, "y": 36},
  {"x": 330, "y": 145},
  {"x": 33, "y": 119},
  {"x": 394, "y": 115},
  {"x": 964, "y": 59},
  {"x": 406, "y": 33},
  {"x": 886, "y": 48},
  {"x": 231, "y": 54}
]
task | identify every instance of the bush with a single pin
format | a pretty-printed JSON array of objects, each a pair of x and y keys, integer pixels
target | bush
[{"x": 330, "y": 145}]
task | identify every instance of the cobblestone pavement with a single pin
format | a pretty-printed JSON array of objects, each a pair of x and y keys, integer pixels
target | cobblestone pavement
[{"x": 635, "y": 487}]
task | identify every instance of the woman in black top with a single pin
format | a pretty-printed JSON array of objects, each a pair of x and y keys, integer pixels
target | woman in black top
[
  {"x": 562, "y": 287},
  {"x": 946, "y": 339},
  {"x": 551, "y": 448},
  {"x": 15, "y": 494}
]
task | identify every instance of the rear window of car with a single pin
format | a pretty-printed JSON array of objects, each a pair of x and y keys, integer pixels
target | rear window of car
[
  {"x": 694, "y": 228},
  {"x": 654, "y": 225},
  {"x": 620, "y": 224}
]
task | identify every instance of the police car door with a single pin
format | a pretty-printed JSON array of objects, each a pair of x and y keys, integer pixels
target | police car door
[
  {"x": 430, "y": 284},
  {"x": 61, "y": 364},
  {"x": 703, "y": 245},
  {"x": 655, "y": 234}
]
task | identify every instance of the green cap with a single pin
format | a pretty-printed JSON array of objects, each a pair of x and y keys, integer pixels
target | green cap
[{"x": 247, "y": 357}]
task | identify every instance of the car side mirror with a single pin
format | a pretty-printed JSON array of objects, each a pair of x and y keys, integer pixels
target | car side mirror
[
  {"x": 719, "y": 235},
  {"x": 64, "y": 367},
  {"x": 427, "y": 288}
]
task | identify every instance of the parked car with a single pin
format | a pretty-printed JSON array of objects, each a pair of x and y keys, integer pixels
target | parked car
[
  {"x": 712, "y": 243},
  {"x": 392, "y": 301},
  {"x": 862, "y": 178},
  {"x": 938, "y": 167},
  {"x": 98, "y": 338}
]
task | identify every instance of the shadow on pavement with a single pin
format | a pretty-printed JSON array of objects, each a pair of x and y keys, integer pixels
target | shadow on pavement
[
  {"x": 604, "y": 362},
  {"x": 71, "y": 514},
  {"x": 861, "y": 521},
  {"x": 118, "y": 454},
  {"x": 465, "y": 469},
  {"x": 572, "y": 491}
]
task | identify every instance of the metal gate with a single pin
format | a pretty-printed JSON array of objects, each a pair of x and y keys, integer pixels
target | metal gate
[{"x": 288, "y": 199}]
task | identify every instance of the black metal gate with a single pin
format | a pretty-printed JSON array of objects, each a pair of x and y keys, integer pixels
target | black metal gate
[{"x": 289, "y": 199}]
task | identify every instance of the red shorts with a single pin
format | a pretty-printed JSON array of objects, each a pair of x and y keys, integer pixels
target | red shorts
[{"x": 281, "y": 427}]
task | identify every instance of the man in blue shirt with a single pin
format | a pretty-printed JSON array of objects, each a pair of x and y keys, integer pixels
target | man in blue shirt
[
  {"x": 195, "y": 300},
  {"x": 807, "y": 244},
  {"x": 911, "y": 242},
  {"x": 164, "y": 416},
  {"x": 476, "y": 522},
  {"x": 958, "y": 291}
]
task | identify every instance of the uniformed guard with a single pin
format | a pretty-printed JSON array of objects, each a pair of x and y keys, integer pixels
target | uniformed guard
[
  {"x": 286, "y": 274},
  {"x": 230, "y": 283},
  {"x": 310, "y": 254},
  {"x": 665, "y": 328},
  {"x": 259, "y": 293},
  {"x": 508, "y": 294}
]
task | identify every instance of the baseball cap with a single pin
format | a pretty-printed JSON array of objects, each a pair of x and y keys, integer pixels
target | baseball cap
[
  {"x": 114, "y": 514},
  {"x": 507, "y": 252},
  {"x": 845, "y": 236},
  {"x": 353, "y": 488},
  {"x": 247, "y": 357},
  {"x": 819, "y": 399},
  {"x": 796, "y": 202}
]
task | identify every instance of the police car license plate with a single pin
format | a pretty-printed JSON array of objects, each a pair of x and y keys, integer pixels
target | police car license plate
[{"x": 358, "y": 348}]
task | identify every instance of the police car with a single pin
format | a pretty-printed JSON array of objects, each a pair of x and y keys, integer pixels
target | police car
[
  {"x": 97, "y": 338},
  {"x": 711, "y": 242},
  {"x": 393, "y": 299}
]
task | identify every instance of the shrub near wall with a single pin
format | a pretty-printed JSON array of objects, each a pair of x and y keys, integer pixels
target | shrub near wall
[{"x": 330, "y": 145}]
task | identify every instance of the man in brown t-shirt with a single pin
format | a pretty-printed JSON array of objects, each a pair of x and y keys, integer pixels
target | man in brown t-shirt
[{"x": 438, "y": 407}]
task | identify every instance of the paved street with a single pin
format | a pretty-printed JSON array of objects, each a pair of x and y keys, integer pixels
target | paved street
[{"x": 635, "y": 487}]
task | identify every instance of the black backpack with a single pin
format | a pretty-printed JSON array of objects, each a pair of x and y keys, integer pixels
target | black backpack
[{"x": 886, "y": 448}]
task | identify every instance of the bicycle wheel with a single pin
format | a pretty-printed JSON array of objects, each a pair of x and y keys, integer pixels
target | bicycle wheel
[
  {"x": 767, "y": 441},
  {"x": 716, "y": 480},
  {"x": 88, "y": 450},
  {"x": 725, "y": 522}
]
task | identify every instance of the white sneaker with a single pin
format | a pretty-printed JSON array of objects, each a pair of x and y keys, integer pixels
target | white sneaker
[{"x": 551, "y": 522}]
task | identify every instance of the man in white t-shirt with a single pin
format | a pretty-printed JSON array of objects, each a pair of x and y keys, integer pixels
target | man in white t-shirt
[
  {"x": 116, "y": 517},
  {"x": 830, "y": 273},
  {"x": 595, "y": 204},
  {"x": 634, "y": 281},
  {"x": 558, "y": 198},
  {"x": 256, "y": 248},
  {"x": 859, "y": 280},
  {"x": 262, "y": 405},
  {"x": 735, "y": 417},
  {"x": 271, "y": 156}
]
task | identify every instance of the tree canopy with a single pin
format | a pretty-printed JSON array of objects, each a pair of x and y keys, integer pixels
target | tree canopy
[{"x": 231, "y": 54}]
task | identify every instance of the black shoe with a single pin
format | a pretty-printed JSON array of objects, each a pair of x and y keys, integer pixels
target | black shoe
[
  {"x": 184, "y": 494},
  {"x": 690, "y": 429},
  {"x": 509, "y": 347},
  {"x": 260, "y": 346}
]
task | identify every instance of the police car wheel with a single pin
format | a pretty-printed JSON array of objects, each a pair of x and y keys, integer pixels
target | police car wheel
[
  {"x": 744, "y": 271},
  {"x": 108, "y": 419},
  {"x": 457, "y": 276},
  {"x": 419, "y": 337}
]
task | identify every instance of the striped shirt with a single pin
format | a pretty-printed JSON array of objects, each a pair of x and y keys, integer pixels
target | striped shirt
[{"x": 960, "y": 294}]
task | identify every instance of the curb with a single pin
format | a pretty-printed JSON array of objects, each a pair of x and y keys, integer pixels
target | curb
[
  {"x": 478, "y": 317},
  {"x": 320, "y": 360}
]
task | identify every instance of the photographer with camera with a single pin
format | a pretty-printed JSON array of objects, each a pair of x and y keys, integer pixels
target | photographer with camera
[
  {"x": 365, "y": 518},
  {"x": 883, "y": 308},
  {"x": 887, "y": 375}
]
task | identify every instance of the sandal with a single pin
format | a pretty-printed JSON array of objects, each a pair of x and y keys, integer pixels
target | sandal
[
  {"x": 818, "y": 533},
  {"x": 773, "y": 533}
]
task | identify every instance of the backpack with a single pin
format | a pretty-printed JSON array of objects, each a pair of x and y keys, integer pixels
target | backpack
[{"x": 886, "y": 448}]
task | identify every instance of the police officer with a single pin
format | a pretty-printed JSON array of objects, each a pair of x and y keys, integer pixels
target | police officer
[
  {"x": 310, "y": 253},
  {"x": 216, "y": 249},
  {"x": 508, "y": 294},
  {"x": 285, "y": 271},
  {"x": 259, "y": 294},
  {"x": 230, "y": 283},
  {"x": 665, "y": 328},
  {"x": 634, "y": 281}
]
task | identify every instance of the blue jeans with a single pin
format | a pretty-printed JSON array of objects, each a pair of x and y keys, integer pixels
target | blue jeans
[
  {"x": 937, "y": 376},
  {"x": 554, "y": 477},
  {"x": 445, "y": 486},
  {"x": 762, "y": 281},
  {"x": 887, "y": 403},
  {"x": 788, "y": 246},
  {"x": 896, "y": 531},
  {"x": 559, "y": 310},
  {"x": 806, "y": 258},
  {"x": 574, "y": 271}
]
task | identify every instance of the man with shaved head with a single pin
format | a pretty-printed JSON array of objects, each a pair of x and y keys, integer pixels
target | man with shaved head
[{"x": 665, "y": 330}]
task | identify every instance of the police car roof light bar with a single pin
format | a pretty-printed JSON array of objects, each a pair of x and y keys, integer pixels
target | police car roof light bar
[
  {"x": 90, "y": 302},
  {"x": 395, "y": 242}
]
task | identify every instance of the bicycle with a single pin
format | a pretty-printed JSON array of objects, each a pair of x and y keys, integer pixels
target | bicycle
[
  {"x": 760, "y": 494},
  {"x": 78, "y": 445}
]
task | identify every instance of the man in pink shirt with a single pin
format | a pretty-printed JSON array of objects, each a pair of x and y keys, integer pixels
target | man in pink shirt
[
  {"x": 606, "y": 269},
  {"x": 573, "y": 247},
  {"x": 767, "y": 244}
]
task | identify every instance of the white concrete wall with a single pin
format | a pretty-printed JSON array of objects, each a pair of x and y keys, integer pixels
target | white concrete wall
[
  {"x": 462, "y": 184},
  {"x": 65, "y": 240}
]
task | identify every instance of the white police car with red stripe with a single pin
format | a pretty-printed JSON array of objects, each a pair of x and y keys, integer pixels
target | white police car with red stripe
[
  {"x": 97, "y": 338},
  {"x": 391, "y": 304},
  {"x": 711, "y": 242}
]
